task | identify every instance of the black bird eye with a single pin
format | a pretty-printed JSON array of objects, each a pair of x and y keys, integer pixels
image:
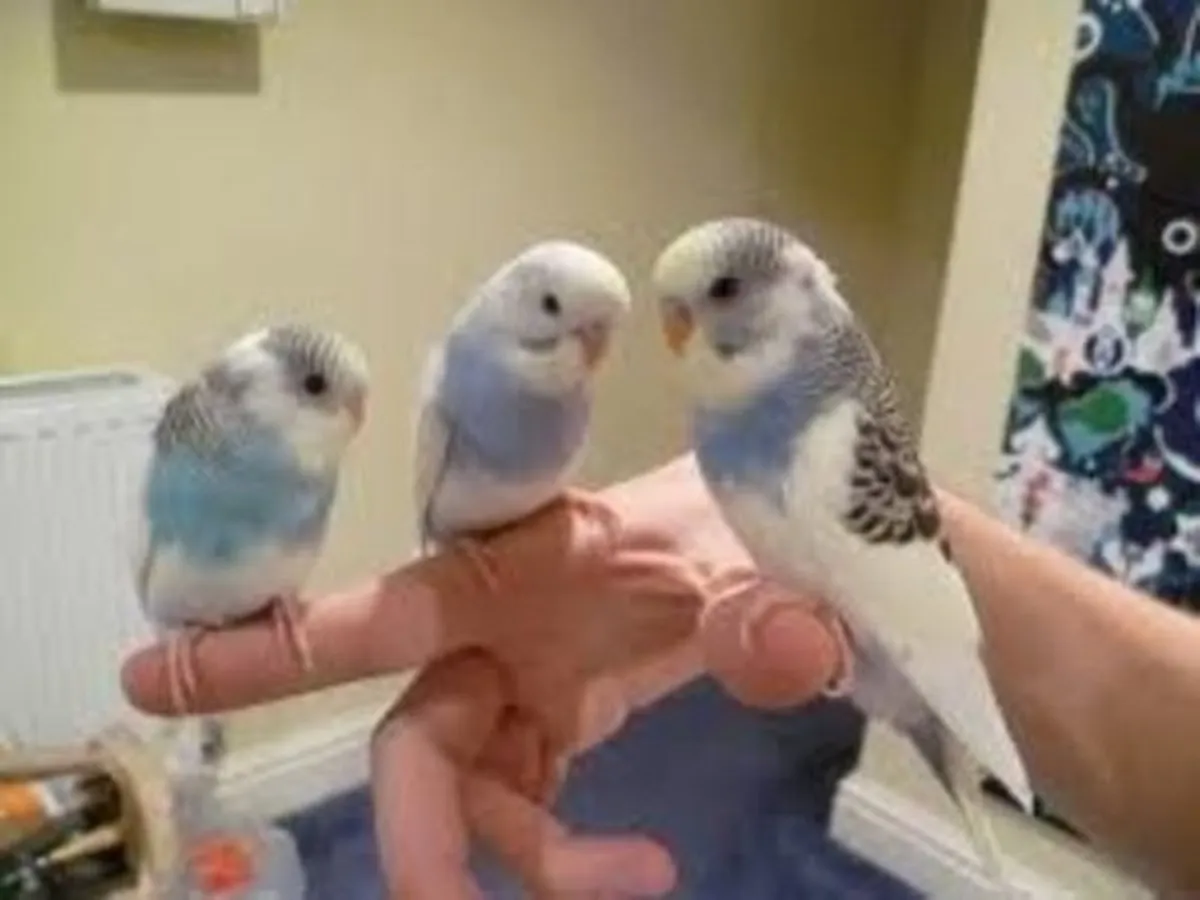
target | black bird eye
[
  {"x": 551, "y": 305},
  {"x": 725, "y": 287},
  {"x": 315, "y": 384}
]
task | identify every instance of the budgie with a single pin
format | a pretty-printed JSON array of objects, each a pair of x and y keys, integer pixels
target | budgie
[
  {"x": 798, "y": 433},
  {"x": 506, "y": 396},
  {"x": 240, "y": 484}
]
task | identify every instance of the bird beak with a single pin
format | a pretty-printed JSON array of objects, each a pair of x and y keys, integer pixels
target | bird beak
[
  {"x": 358, "y": 410},
  {"x": 677, "y": 326},
  {"x": 593, "y": 339}
]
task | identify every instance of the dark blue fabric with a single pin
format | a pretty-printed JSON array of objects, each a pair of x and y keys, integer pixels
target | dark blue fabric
[
  {"x": 1102, "y": 449},
  {"x": 742, "y": 799}
]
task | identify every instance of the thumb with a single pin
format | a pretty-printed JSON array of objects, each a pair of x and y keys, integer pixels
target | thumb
[{"x": 770, "y": 649}]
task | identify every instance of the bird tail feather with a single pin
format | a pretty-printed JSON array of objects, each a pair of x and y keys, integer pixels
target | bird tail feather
[
  {"x": 961, "y": 776},
  {"x": 957, "y": 689}
]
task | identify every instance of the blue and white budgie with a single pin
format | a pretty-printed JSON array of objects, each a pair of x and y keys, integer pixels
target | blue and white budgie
[
  {"x": 506, "y": 397},
  {"x": 800, "y": 438},
  {"x": 240, "y": 485}
]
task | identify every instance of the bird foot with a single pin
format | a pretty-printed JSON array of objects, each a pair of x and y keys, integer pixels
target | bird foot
[
  {"x": 759, "y": 606},
  {"x": 589, "y": 504},
  {"x": 842, "y": 682},
  {"x": 481, "y": 559},
  {"x": 286, "y": 613},
  {"x": 181, "y": 668}
]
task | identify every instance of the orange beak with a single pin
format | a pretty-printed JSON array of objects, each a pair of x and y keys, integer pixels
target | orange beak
[
  {"x": 677, "y": 326},
  {"x": 593, "y": 339}
]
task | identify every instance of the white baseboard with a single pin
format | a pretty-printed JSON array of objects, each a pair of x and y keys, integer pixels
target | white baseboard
[
  {"x": 291, "y": 774},
  {"x": 871, "y": 819},
  {"x": 923, "y": 849}
]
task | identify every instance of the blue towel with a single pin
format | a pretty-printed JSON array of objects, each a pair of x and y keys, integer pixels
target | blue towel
[{"x": 742, "y": 799}]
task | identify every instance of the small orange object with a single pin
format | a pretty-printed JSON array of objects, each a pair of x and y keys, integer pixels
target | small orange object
[
  {"x": 221, "y": 864},
  {"x": 21, "y": 803}
]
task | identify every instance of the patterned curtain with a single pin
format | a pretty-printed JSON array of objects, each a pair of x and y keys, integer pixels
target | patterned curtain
[{"x": 1101, "y": 453}]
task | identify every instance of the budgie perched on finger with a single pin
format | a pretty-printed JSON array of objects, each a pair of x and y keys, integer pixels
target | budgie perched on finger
[
  {"x": 239, "y": 487},
  {"x": 506, "y": 396},
  {"x": 799, "y": 435}
]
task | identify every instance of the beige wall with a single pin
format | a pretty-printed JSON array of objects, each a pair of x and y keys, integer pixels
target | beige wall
[
  {"x": 165, "y": 186},
  {"x": 867, "y": 122},
  {"x": 936, "y": 142},
  {"x": 1017, "y": 107},
  {"x": 844, "y": 99}
]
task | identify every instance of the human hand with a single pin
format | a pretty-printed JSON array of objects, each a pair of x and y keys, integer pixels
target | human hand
[{"x": 588, "y": 611}]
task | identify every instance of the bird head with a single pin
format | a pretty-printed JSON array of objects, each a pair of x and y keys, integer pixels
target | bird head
[
  {"x": 308, "y": 385},
  {"x": 737, "y": 297},
  {"x": 551, "y": 313}
]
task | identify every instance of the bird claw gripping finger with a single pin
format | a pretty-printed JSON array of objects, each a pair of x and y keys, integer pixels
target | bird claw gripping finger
[
  {"x": 286, "y": 614},
  {"x": 597, "y": 510},
  {"x": 842, "y": 682},
  {"x": 481, "y": 559},
  {"x": 759, "y": 606},
  {"x": 181, "y": 668}
]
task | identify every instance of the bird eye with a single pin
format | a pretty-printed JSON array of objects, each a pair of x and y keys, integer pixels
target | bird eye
[
  {"x": 725, "y": 287},
  {"x": 315, "y": 384},
  {"x": 551, "y": 304}
]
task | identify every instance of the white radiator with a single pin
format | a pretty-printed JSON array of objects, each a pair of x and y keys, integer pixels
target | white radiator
[{"x": 72, "y": 451}]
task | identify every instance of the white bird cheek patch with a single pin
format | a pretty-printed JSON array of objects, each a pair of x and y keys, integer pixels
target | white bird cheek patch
[
  {"x": 267, "y": 400},
  {"x": 568, "y": 366},
  {"x": 318, "y": 438},
  {"x": 710, "y": 379},
  {"x": 717, "y": 382},
  {"x": 550, "y": 374}
]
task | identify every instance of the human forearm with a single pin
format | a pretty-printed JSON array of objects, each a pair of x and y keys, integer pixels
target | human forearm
[{"x": 1102, "y": 687}]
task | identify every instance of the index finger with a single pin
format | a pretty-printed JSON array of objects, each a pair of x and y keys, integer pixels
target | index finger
[
  {"x": 439, "y": 724},
  {"x": 396, "y": 622},
  {"x": 425, "y": 609}
]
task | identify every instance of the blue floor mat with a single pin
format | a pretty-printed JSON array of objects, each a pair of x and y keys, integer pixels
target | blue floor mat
[{"x": 741, "y": 798}]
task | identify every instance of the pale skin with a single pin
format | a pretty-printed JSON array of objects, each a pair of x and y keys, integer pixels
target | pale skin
[
  {"x": 613, "y": 601},
  {"x": 1101, "y": 686}
]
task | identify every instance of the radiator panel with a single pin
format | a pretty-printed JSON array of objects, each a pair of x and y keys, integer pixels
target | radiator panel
[{"x": 73, "y": 448}]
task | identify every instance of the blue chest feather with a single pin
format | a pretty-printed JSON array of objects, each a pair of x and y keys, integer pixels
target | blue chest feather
[
  {"x": 219, "y": 507},
  {"x": 750, "y": 446},
  {"x": 497, "y": 425}
]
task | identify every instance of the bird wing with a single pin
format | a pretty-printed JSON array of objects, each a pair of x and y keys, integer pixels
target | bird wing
[
  {"x": 219, "y": 536},
  {"x": 898, "y": 580},
  {"x": 210, "y": 478},
  {"x": 433, "y": 439},
  {"x": 917, "y": 606},
  {"x": 189, "y": 419},
  {"x": 858, "y": 524},
  {"x": 891, "y": 501},
  {"x": 193, "y": 418}
]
